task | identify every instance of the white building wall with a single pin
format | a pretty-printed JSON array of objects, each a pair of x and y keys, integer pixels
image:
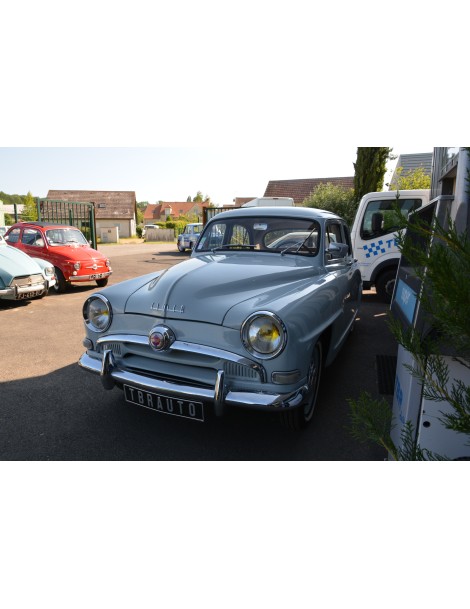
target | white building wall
[{"x": 125, "y": 226}]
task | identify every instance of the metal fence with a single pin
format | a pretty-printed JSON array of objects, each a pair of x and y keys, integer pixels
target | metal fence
[{"x": 78, "y": 214}]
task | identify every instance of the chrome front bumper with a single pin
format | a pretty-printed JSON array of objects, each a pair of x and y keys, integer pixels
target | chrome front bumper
[
  {"x": 91, "y": 277},
  {"x": 16, "y": 292},
  {"x": 219, "y": 395}
]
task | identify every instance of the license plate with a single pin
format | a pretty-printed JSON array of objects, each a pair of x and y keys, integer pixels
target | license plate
[
  {"x": 26, "y": 295},
  {"x": 186, "y": 409},
  {"x": 98, "y": 276}
]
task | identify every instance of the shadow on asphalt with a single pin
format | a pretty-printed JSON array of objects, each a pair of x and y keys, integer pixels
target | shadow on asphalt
[{"x": 67, "y": 415}]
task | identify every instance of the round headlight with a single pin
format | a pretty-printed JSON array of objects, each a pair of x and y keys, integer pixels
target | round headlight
[
  {"x": 264, "y": 334},
  {"x": 97, "y": 313}
]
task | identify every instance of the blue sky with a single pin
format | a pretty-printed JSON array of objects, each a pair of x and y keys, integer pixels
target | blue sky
[{"x": 172, "y": 173}]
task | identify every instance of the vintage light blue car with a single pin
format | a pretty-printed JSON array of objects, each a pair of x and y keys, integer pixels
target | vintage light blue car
[
  {"x": 21, "y": 276},
  {"x": 266, "y": 300},
  {"x": 189, "y": 236}
]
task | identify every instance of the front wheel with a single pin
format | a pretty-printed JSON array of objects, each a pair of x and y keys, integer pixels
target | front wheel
[
  {"x": 101, "y": 283},
  {"x": 385, "y": 284},
  {"x": 300, "y": 417},
  {"x": 60, "y": 284},
  {"x": 181, "y": 249}
]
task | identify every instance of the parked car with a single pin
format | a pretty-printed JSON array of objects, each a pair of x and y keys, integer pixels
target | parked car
[
  {"x": 23, "y": 277},
  {"x": 189, "y": 236},
  {"x": 63, "y": 246},
  {"x": 248, "y": 321}
]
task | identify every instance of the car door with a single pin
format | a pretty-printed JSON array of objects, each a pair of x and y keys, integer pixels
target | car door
[
  {"x": 346, "y": 278},
  {"x": 32, "y": 242}
]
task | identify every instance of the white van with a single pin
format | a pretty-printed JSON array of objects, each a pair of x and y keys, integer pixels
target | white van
[
  {"x": 374, "y": 236},
  {"x": 270, "y": 202}
]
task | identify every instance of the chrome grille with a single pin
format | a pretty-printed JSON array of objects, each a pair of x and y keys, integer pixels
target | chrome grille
[
  {"x": 114, "y": 347},
  {"x": 28, "y": 280},
  {"x": 240, "y": 371}
]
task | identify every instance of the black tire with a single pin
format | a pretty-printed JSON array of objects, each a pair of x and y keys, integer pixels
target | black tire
[
  {"x": 101, "y": 283},
  {"x": 60, "y": 285},
  {"x": 181, "y": 249},
  {"x": 298, "y": 418},
  {"x": 385, "y": 284}
]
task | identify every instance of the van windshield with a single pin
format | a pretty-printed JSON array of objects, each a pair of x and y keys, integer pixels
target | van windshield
[{"x": 380, "y": 217}]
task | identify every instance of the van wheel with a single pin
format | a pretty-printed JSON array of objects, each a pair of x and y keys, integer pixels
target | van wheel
[
  {"x": 385, "y": 285},
  {"x": 60, "y": 285},
  {"x": 181, "y": 249},
  {"x": 300, "y": 417}
]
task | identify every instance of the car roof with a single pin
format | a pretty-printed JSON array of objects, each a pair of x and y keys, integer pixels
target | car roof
[
  {"x": 277, "y": 212},
  {"x": 41, "y": 225}
]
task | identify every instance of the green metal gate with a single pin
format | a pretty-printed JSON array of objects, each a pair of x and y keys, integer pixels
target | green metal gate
[{"x": 81, "y": 215}]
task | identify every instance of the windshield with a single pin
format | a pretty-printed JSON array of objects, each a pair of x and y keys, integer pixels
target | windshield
[
  {"x": 65, "y": 236},
  {"x": 266, "y": 234}
]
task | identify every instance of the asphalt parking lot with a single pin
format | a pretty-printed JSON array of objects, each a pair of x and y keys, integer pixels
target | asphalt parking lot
[{"x": 50, "y": 409}]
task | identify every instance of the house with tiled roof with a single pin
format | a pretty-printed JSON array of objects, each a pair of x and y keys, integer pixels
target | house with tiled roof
[
  {"x": 160, "y": 212},
  {"x": 300, "y": 189},
  {"x": 113, "y": 208}
]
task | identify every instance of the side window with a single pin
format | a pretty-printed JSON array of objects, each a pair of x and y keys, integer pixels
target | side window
[
  {"x": 380, "y": 217},
  {"x": 337, "y": 233},
  {"x": 333, "y": 234},
  {"x": 32, "y": 237},
  {"x": 13, "y": 236}
]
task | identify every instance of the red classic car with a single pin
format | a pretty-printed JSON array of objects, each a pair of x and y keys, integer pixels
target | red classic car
[{"x": 65, "y": 247}]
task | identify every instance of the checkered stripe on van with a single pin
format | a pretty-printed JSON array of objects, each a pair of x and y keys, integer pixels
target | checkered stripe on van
[{"x": 374, "y": 249}]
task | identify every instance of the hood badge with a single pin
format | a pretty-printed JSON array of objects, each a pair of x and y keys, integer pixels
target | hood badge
[
  {"x": 161, "y": 338},
  {"x": 167, "y": 308}
]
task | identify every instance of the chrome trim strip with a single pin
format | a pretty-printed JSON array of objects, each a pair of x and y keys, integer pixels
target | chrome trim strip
[
  {"x": 186, "y": 347},
  {"x": 263, "y": 401}
]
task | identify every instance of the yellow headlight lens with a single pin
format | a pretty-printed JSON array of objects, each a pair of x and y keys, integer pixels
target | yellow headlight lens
[{"x": 264, "y": 335}]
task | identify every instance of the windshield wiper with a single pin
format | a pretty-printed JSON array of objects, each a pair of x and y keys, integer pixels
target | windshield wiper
[{"x": 300, "y": 244}]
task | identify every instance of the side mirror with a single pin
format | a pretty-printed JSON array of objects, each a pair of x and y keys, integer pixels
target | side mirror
[{"x": 337, "y": 250}]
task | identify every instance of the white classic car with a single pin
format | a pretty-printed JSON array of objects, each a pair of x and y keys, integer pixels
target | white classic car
[
  {"x": 21, "y": 276},
  {"x": 266, "y": 300}
]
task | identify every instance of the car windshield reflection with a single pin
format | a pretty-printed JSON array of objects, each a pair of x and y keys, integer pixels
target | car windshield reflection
[
  {"x": 65, "y": 236},
  {"x": 275, "y": 235}
]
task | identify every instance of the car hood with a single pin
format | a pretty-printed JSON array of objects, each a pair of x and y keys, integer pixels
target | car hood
[
  {"x": 205, "y": 288},
  {"x": 14, "y": 263},
  {"x": 79, "y": 253}
]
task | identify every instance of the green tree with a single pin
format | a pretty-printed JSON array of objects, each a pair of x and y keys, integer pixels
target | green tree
[
  {"x": 198, "y": 198},
  {"x": 369, "y": 170},
  {"x": 30, "y": 211},
  {"x": 334, "y": 198},
  {"x": 410, "y": 180}
]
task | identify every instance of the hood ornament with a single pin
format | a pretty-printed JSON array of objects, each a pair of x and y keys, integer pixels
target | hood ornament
[{"x": 161, "y": 338}]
